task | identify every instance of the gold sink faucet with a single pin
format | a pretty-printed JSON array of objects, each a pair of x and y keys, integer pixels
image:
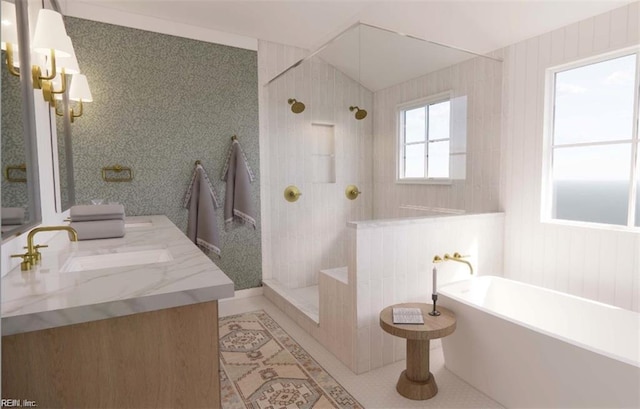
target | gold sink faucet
[
  {"x": 460, "y": 259},
  {"x": 32, "y": 256}
]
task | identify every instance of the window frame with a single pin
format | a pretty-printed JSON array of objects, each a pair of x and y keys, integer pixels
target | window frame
[
  {"x": 400, "y": 139},
  {"x": 546, "y": 208}
]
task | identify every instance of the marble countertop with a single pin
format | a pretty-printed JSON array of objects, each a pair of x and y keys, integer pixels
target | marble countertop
[{"x": 45, "y": 297}]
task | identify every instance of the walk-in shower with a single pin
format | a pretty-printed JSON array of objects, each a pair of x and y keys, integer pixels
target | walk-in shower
[{"x": 360, "y": 91}]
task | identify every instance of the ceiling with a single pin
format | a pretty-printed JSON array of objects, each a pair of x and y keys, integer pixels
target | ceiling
[{"x": 476, "y": 25}]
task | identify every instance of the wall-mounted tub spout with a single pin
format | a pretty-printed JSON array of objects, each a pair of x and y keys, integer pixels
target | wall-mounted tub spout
[{"x": 460, "y": 259}]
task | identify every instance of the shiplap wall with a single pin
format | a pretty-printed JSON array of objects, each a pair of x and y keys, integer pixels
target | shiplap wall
[
  {"x": 309, "y": 235},
  {"x": 599, "y": 264},
  {"x": 390, "y": 263},
  {"x": 475, "y": 86}
]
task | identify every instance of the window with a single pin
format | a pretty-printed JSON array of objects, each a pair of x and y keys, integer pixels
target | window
[
  {"x": 424, "y": 139},
  {"x": 593, "y": 149}
]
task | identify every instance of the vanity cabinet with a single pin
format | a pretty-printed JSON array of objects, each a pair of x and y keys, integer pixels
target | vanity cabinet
[
  {"x": 159, "y": 359},
  {"x": 118, "y": 336}
]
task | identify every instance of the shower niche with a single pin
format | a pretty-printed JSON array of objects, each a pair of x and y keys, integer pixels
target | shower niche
[{"x": 323, "y": 153}]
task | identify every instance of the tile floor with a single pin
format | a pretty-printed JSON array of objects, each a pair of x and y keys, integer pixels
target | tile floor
[{"x": 374, "y": 389}]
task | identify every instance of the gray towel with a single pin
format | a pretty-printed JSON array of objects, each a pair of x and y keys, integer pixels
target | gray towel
[
  {"x": 202, "y": 201},
  {"x": 83, "y": 213},
  {"x": 12, "y": 216},
  {"x": 99, "y": 229},
  {"x": 237, "y": 202}
]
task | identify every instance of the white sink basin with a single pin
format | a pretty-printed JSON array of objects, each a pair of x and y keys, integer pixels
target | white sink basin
[{"x": 112, "y": 260}]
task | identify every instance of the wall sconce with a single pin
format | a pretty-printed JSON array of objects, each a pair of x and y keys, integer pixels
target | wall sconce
[
  {"x": 50, "y": 39},
  {"x": 10, "y": 37},
  {"x": 296, "y": 106},
  {"x": 360, "y": 113},
  {"x": 67, "y": 66},
  {"x": 80, "y": 92}
]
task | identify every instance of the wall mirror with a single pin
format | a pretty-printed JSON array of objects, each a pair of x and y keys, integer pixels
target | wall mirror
[{"x": 20, "y": 181}]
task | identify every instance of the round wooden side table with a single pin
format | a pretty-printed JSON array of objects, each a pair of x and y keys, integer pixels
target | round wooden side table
[{"x": 416, "y": 382}]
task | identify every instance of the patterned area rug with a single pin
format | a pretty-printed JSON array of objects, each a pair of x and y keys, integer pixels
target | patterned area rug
[{"x": 262, "y": 367}]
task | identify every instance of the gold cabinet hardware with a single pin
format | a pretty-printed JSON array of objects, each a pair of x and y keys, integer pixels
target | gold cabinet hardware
[
  {"x": 25, "y": 265},
  {"x": 292, "y": 193},
  {"x": 11, "y": 170},
  {"x": 123, "y": 174},
  {"x": 352, "y": 192}
]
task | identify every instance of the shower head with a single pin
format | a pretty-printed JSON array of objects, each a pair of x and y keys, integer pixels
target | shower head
[
  {"x": 296, "y": 106},
  {"x": 360, "y": 113}
]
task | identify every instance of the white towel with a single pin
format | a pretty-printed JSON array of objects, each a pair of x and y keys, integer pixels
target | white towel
[
  {"x": 201, "y": 200},
  {"x": 83, "y": 213},
  {"x": 12, "y": 216},
  {"x": 99, "y": 229},
  {"x": 238, "y": 205}
]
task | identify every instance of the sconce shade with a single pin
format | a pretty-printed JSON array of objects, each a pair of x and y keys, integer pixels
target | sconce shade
[
  {"x": 9, "y": 29},
  {"x": 50, "y": 34},
  {"x": 80, "y": 89},
  {"x": 70, "y": 64}
]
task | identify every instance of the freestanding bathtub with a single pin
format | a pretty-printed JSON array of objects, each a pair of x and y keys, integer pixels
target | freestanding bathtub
[{"x": 529, "y": 347}]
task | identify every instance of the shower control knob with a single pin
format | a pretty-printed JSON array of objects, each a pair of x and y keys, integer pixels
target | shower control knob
[{"x": 352, "y": 192}]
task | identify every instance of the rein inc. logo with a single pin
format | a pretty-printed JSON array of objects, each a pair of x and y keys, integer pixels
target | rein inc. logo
[{"x": 18, "y": 403}]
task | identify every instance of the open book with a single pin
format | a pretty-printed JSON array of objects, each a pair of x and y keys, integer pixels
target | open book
[{"x": 407, "y": 316}]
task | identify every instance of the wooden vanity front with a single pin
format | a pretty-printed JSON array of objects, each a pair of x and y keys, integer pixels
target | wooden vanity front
[{"x": 159, "y": 359}]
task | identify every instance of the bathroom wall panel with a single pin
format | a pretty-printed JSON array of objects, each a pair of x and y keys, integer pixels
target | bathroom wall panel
[
  {"x": 309, "y": 235},
  {"x": 393, "y": 262},
  {"x": 160, "y": 103},
  {"x": 599, "y": 264}
]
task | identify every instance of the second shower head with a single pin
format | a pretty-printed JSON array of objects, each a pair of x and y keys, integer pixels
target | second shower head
[
  {"x": 360, "y": 113},
  {"x": 296, "y": 106}
]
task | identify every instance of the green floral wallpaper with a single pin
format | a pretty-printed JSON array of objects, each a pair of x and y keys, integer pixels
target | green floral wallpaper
[
  {"x": 160, "y": 103},
  {"x": 14, "y": 194}
]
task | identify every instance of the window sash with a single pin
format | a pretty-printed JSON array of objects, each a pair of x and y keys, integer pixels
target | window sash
[
  {"x": 634, "y": 140},
  {"x": 403, "y": 145}
]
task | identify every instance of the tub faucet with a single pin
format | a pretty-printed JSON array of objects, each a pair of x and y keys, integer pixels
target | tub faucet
[
  {"x": 460, "y": 259},
  {"x": 32, "y": 256}
]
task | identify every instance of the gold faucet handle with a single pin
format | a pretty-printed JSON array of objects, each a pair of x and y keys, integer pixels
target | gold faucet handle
[
  {"x": 26, "y": 261},
  {"x": 437, "y": 259},
  {"x": 458, "y": 255},
  {"x": 37, "y": 256}
]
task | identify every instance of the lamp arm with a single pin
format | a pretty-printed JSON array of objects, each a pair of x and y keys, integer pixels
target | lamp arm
[
  {"x": 73, "y": 113},
  {"x": 9, "y": 54}
]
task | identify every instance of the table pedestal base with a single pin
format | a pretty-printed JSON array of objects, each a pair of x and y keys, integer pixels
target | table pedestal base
[{"x": 417, "y": 390}]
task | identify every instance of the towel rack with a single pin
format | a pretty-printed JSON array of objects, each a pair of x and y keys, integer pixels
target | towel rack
[
  {"x": 22, "y": 168},
  {"x": 234, "y": 138},
  {"x": 198, "y": 162},
  {"x": 124, "y": 174}
]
